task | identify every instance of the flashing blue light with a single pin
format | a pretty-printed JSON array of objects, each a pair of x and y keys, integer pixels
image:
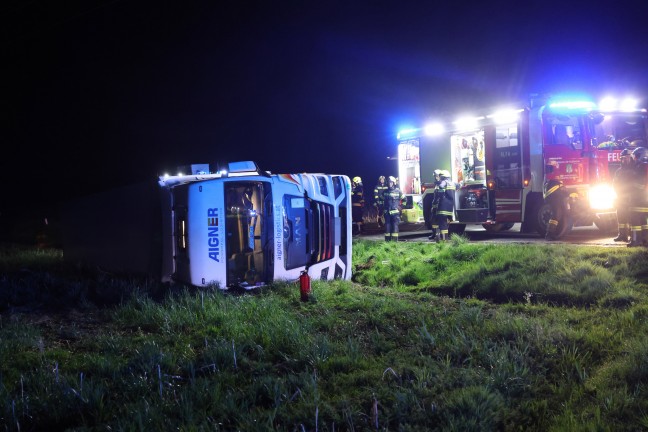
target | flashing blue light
[
  {"x": 573, "y": 105},
  {"x": 407, "y": 133}
]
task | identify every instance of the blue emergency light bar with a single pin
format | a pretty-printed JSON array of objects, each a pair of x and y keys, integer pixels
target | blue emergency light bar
[
  {"x": 566, "y": 104},
  {"x": 407, "y": 133},
  {"x": 580, "y": 105}
]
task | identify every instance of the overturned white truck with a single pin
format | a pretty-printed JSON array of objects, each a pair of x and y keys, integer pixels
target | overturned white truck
[{"x": 237, "y": 227}]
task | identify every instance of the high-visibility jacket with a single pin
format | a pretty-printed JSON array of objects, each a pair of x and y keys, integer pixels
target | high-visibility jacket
[
  {"x": 379, "y": 194},
  {"x": 623, "y": 182},
  {"x": 357, "y": 196},
  {"x": 393, "y": 198},
  {"x": 444, "y": 197}
]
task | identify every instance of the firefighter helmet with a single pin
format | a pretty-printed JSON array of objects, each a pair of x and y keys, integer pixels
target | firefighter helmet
[
  {"x": 381, "y": 179},
  {"x": 444, "y": 173},
  {"x": 625, "y": 152},
  {"x": 357, "y": 180},
  {"x": 437, "y": 172},
  {"x": 639, "y": 154},
  {"x": 392, "y": 179}
]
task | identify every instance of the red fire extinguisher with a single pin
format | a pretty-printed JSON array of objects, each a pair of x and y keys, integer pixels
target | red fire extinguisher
[{"x": 304, "y": 285}]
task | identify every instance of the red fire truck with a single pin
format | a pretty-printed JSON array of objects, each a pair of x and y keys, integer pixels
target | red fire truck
[{"x": 501, "y": 159}]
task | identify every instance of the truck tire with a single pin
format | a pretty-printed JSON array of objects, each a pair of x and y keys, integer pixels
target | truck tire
[{"x": 542, "y": 217}]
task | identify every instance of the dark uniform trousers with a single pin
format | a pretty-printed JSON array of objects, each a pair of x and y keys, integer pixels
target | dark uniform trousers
[
  {"x": 392, "y": 213},
  {"x": 444, "y": 195},
  {"x": 639, "y": 208}
]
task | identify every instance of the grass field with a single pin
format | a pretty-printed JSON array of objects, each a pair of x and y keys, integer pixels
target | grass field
[{"x": 450, "y": 337}]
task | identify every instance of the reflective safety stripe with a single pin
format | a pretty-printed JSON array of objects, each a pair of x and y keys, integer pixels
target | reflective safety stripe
[
  {"x": 553, "y": 222},
  {"x": 393, "y": 211},
  {"x": 552, "y": 190}
]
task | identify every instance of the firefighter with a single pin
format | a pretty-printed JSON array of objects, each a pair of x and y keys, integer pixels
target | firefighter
[
  {"x": 433, "y": 207},
  {"x": 445, "y": 196},
  {"x": 622, "y": 182},
  {"x": 357, "y": 204},
  {"x": 393, "y": 198},
  {"x": 555, "y": 195},
  {"x": 638, "y": 200},
  {"x": 379, "y": 200}
]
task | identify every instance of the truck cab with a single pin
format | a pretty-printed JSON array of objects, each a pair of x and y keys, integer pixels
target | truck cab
[{"x": 244, "y": 227}]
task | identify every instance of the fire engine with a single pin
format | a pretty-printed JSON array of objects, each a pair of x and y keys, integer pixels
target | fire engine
[{"x": 500, "y": 160}]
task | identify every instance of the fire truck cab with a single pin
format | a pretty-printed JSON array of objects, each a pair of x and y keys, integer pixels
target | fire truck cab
[{"x": 500, "y": 161}]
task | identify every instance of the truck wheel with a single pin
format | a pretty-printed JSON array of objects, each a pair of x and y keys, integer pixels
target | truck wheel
[
  {"x": 493, "y": 228},
  {"x": 542, "y": 219}
]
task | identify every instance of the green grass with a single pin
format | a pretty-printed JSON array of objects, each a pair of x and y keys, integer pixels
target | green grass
[{"x": 451, "y": 336}]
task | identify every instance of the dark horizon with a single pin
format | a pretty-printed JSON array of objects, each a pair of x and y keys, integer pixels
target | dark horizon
[{"x": 108, "y": 93}]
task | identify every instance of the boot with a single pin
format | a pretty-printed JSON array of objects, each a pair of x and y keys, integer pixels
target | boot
[
  {"x": 623, "y": 235},
  {"x": 442, "y": 237},
  {"x": 634, "y": 242},
  {"x": 552, "y": 227}
]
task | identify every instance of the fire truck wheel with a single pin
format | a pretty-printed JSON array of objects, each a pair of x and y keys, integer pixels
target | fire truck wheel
[
  {"x": 493, "y": 228},
  {"x": 542, "y": 219}
]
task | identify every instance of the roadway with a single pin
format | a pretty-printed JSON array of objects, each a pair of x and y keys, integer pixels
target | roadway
[{"x": 579, "y": 235}]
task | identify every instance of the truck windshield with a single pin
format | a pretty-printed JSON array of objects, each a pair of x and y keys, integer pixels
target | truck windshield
[
  {"x": 620, "y": 131},
  {"x": 564, "y": 130},
  {"x": 247, "y": 208}
]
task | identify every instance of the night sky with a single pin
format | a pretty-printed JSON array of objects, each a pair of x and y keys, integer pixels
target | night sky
[{"x": 100, "y": 93}]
